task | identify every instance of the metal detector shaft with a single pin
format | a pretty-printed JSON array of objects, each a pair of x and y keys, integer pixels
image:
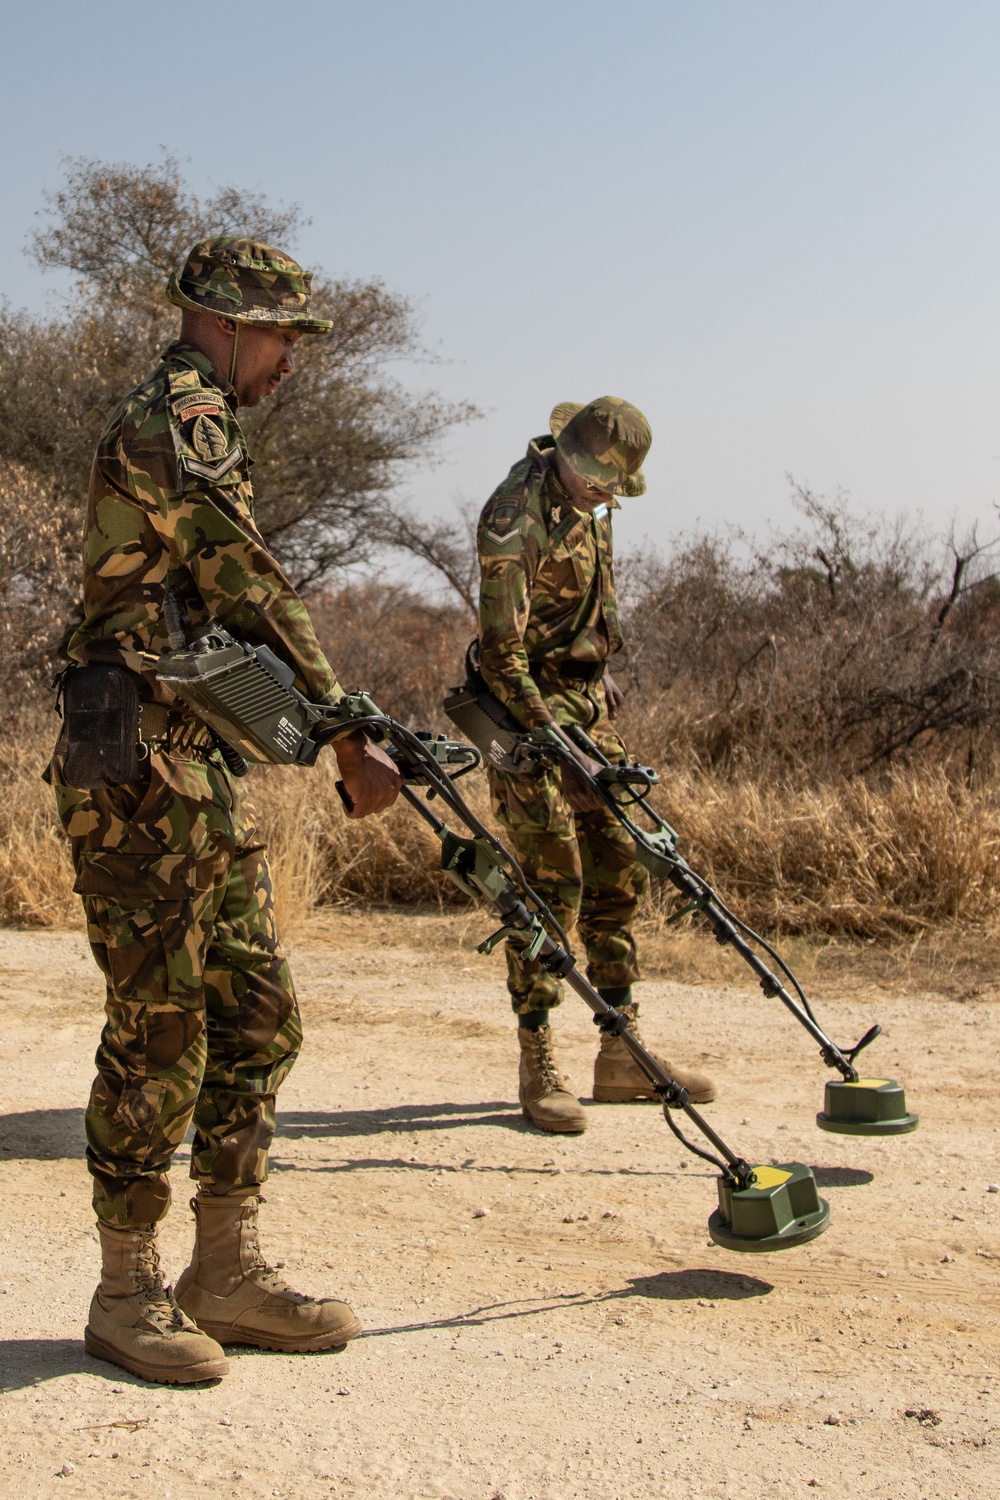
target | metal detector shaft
[
  {"x": 690, "y": 885},
  {"x": 561, "y": 963},
  {"x": 684, "y": 879},
  {"x": 481, "y": 866},
  {"x": 666, "y": 1086}
]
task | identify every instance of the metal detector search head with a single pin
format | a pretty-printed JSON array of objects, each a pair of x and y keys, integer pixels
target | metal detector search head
[
  {"x": 867, "y": 1106},
  {"x": 780, "y": 1207}
]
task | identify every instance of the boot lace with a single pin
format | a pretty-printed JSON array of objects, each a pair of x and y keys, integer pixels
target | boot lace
[
  {"x": 157, "y": 1300},
  {"x": 265, "y": 1275},
  {"x": 633, "y": 1025},
  {"x": 544, "y": 1060}
]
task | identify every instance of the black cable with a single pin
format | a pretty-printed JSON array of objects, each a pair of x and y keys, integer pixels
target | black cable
[
  {"x": 463, "y": 811},
  {"x": 771, "y": 952},
  {"x": 619, "y": 806},
  {"x": 716, "y": 1161}
]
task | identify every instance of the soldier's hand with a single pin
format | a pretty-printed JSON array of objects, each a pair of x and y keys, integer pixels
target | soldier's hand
[
  {"x": 371, "y": 781},
  {"x": 613, "y": 695},
  {"x": 581, "y": 797}
]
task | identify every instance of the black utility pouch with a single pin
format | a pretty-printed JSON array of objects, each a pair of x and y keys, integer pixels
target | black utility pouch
[{"x": 100, "y": 707}]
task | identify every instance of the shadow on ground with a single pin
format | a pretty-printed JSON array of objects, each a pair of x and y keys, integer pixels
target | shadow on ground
[
  {"x": 827, "y": 1177},
  {"x": 42, "y": 1134},
  {"x": 682, "y": 1286},
  {"x": 27, "y": 1362},
  {"x": 673, "y": 1286},
  {"x": 405, "y": 1118}
]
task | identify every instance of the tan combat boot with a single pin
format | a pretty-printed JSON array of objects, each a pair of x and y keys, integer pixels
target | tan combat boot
[
  {"x": 618, "y": 1079},
  {"x": 232, "y": 1293},
  {"x": 545, "y": 1099},
  {"x": 135, "y": 1322}
]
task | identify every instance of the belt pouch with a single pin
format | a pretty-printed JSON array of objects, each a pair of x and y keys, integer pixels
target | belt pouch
[{"x": 101, "y": 715}]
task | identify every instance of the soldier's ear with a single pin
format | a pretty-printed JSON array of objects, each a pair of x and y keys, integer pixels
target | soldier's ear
[{"x": 225, "y": 325}]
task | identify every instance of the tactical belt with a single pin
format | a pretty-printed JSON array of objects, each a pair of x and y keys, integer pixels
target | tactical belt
[{"x": 568, "y": 671}]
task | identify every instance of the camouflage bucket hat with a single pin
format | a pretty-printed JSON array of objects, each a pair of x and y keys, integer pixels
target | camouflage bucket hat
[
  {"x": 247, "y": 281},
  {"x": 605, "y": 442}
]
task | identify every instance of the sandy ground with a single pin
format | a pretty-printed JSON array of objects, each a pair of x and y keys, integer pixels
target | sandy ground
[{"x": 582, "y": 1337}]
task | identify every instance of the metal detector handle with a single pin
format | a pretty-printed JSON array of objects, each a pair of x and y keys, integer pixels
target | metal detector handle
[
  {"x": 579, "y": 734},
  {"x": 629, "y": 774},
  {"x": 613, "y": 773},
  {"x": 865, "y": 1041}
]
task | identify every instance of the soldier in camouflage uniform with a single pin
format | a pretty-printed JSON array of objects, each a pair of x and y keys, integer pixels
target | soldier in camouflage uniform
[
  {"x": 548, "y": 627},
  {"x": 202, "y": 1021}
]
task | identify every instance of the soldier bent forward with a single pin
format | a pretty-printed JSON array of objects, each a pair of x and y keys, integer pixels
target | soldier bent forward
[{"x": 548, "y": 626}]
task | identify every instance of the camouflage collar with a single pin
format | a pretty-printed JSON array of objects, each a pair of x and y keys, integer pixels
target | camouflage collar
[
  {"x": 541, "y": 452},
  {"x": 541, "y": 449},
  {"x": 180, "y": 352}
]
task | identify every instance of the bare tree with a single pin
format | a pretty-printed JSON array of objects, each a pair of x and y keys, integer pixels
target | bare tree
[
  {"x": 449, "y": 547},
  {"x": 39, "y": 580}
]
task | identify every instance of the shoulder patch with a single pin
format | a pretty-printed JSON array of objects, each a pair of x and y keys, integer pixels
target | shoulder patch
[
  {"x": 212, "y": 471},
  {"x": 501, "y": 538},
  {"x": 500, "y": 519},
  {"x": 503, "y": 514},
  {"x": 195, "y": 404},
  {"x": 208, "y": 439},
  {"x": 206, "y": 436}
]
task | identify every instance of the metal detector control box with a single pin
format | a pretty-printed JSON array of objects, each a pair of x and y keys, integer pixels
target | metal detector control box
[
  {"x": 483, "y": 719},
  {"x": 246, "y": 694}
]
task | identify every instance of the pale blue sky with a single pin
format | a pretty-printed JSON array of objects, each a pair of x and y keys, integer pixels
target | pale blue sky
[{"x": 773, "y": 224}]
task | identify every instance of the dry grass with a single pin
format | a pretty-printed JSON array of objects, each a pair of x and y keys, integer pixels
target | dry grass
[
  {"x": 36, "y": 880},
  {"x": 896, "y": 882},
  {"x": 905, "y": 856},
  {"x": 320, "y": 858}
]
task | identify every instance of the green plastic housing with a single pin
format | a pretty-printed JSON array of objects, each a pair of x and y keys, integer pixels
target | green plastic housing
[
  {"x": 484, "y": 720},
  {"x": 872, "y": 1106},
  {"x": 781, "y": 1209},
  {"x": 246, "y": 695}
]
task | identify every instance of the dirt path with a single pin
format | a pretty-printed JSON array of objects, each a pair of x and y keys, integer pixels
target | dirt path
[{"x": 582, "y": 1338}]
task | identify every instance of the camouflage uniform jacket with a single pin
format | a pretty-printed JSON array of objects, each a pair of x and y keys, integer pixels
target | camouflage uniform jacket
[
  {"x": 547, "y": 590},
  {"x": 171, "y": 505}
]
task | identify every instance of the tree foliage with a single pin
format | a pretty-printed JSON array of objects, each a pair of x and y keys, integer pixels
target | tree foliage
[
  {"x": 39, "y": 580},
  {"x": 329, "y": 449}
]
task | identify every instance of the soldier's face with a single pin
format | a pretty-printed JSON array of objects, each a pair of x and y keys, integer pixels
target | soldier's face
[
  {"x": 585, "y": 496},
  {"x": 263, "y": 359}
]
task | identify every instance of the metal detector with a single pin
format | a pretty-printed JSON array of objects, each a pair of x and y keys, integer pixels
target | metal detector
[
  {"x": 248, "y": 698},
  {"x": 853, "y": 1105},
  {"x": 761, "y": 1208}
]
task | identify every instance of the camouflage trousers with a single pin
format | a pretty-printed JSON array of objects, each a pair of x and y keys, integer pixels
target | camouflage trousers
[
  {"x": 582, "y": 865},
  {"x": 201, "y": 1016}
]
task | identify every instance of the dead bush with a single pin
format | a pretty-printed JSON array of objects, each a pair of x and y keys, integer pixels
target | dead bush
[
  {"x": 389, "y": 640},
  {"x": 839, "y": 648},
  {"x": 39, "y": 579},
  {"x": 817, "y": 758}
]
